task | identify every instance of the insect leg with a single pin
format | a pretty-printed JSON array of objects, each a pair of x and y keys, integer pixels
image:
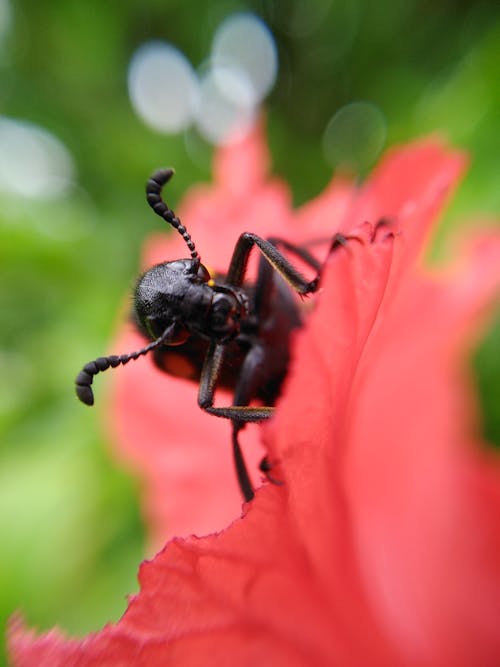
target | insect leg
[
  {"x": 208, "y": 382},
  {"x": 276, "y": 259},
  {"x": 245, "y": 390},
  {"x": 301, "y": 251},
  {"x": 265, "y": 286},
  {"x": 240, "y": 413}
]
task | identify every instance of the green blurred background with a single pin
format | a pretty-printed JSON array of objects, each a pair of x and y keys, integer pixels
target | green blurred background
[{"x": 71, "y": 536}]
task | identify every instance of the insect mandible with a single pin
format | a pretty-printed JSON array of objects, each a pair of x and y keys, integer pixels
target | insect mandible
[{"x": 229, "y": 333}]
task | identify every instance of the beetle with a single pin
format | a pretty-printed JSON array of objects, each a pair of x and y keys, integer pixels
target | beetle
[{"x": 218, "y": 330}]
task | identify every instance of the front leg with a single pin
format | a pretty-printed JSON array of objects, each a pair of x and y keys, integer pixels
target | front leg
[
  {"x": 208, "y": 382},
  {"x": 240, "y": 412}
]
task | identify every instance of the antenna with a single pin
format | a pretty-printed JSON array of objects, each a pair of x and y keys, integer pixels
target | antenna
[
  {"x": 153, "y": 195},
  {"x": 85, "y": 377}
]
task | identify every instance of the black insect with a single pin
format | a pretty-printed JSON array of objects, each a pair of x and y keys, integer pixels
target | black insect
[{"x": 217, "y": 330}]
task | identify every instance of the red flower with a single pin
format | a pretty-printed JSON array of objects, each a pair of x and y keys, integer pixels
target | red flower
[{"x": 383, "y": 545}]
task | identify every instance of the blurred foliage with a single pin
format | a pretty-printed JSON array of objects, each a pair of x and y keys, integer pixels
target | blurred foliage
[{"x": 71, "y": 532}]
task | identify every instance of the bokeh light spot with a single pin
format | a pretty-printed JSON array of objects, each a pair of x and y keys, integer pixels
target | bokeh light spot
[
  {"x": 221, "y": 119},
  {"x": 355, "y": 136},
  {"x": 244, "y": 46},
  {"x": 163, "y": 87},
  {"x": 33, "y": 162}
]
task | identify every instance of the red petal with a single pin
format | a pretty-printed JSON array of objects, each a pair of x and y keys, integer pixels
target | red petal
[
  {"x": 223, "y": 600},
  {"x": 409, "y": 188},
  {"x": 424, "y": 504}
]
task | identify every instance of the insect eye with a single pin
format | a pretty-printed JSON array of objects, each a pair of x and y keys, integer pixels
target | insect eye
[{"x": 179, "y": 335}]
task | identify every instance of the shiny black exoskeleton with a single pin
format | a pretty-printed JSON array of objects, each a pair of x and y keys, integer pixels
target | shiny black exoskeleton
[{"x": 216, "y": 330}]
